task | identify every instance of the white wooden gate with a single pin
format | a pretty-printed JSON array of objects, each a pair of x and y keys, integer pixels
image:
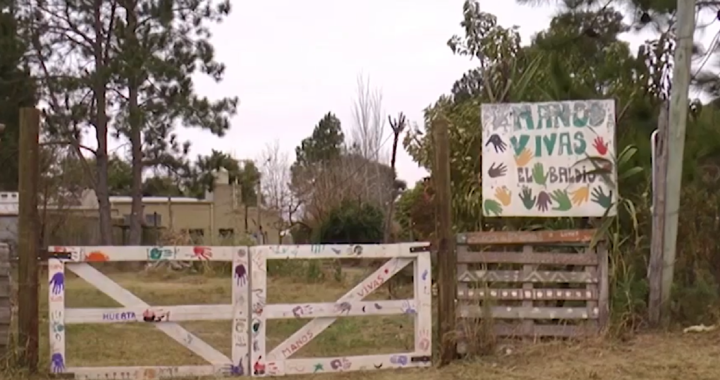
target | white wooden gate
[
  {"x": 163, "y": 318},
  {"x": 277, "y": 362},
  {"x": 249, "y": 283}
]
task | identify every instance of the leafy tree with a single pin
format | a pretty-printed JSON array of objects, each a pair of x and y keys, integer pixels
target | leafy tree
[
  {"x": 199, "y": 175},
  {"x": 416, "y": 211},
  {"x": 161, "y": 45},
  {"x": 159, "y": 186},
  {"x": 351, "y": 222},
  {"x": 17, "y": 89},
  {"x": 325, "y": 144},
  {"x": 78, "y": 90}
]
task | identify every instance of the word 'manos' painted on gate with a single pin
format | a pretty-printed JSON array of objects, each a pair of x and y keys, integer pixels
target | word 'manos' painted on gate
[{"x": 549, "y": 159}]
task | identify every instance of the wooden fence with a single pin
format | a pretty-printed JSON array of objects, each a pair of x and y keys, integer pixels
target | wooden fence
[
  {"x": 531, "y": 284},
  {"x": 5, "y": 293}
]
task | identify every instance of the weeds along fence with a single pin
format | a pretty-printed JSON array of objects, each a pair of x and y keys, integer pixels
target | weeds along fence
[
  {"x": 5, "y": 296},
  {"x": 248, "y": 309},
  {"x": 530, "y": 284}
]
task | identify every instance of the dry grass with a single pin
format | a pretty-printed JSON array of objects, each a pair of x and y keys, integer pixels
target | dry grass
[{"x": 656, "y": 357}]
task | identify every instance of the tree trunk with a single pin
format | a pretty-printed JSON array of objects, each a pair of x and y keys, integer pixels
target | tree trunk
[
  {"x": 101, "y": 131},
  {"x": 135, "y": 121},
  {"x": 391, "y": 206}
]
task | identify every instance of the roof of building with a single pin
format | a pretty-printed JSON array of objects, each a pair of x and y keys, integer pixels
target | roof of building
[{"x": 124, "y": 199}]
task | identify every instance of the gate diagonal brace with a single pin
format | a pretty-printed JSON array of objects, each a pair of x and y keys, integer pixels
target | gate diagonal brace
[{"x": 127, "y": 299}]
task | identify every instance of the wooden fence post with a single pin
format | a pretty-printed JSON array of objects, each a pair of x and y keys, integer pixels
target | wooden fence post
[
  {"x": 446, "y": 259},
  {"x": 28, "y": 238},
  {"x": 659, "y": 192},
  {"x": 5, "y": 295}
]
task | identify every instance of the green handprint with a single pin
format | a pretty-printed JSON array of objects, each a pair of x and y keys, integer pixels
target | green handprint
[
  {"x": 538, "y": 174},
  {"x": 599, "y": 197},
  {"x": 493, "y": 206},
  {"x": 527, "y": 198},
  {"x": 561, "y": 200}
]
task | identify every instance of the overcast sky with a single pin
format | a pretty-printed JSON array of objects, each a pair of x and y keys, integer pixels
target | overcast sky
[{"x": 290, "y": 62}]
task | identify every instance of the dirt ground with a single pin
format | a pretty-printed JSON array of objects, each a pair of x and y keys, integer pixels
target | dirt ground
[{"x": 652, "y": 357}]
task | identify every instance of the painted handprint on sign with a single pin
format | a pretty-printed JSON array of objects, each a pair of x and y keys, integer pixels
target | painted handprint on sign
[
  {"x": 599, "y": 197},
  {"x": 580, "y": 195},
  {"x": 543, "y": 201},
  {"x": 492, "y": 207},
  {"x": 539, "y": 175},
  {"x": 57, "y": 283},
  {"x": 562, "y": 201},
  {"x": 503, "y": 195},
  {"x": 527, "y": 198},
  {"x": 523, "y": 158},
  {"x": 496, "y": 141},
  {"x": 600, "y": 146},
  {"x": 497, "y": 171}
]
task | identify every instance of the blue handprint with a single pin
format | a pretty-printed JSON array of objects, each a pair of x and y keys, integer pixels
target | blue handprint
[
  {"x": 237, "y": 370},
  {"x": 241, "y": 274},
  {"x": 57, "y": 283},
  {"x": 57, "y": 363}
]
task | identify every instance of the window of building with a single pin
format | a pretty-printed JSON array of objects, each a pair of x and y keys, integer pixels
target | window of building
[
  {"x": 196, "y": 235},
  {"x": 153, "y": 219}
]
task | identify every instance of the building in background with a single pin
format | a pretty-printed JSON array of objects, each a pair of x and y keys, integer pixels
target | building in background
[{"x": 218, "y": 219}]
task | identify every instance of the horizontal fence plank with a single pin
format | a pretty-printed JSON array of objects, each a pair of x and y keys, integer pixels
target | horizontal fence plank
[
  {"x": 342, "y": 309},
  {"x": 519, "y": 276},
  {"x": 506, "y": 312},
  {"x": 465, "y": 256},
  {"x": 527, "y": 237},
  {"x": 524, "y": 295},
  {"x": 147, "y": 372},
  {"x": 155, "y": 314},
  {"x": 511, "y": 330}
]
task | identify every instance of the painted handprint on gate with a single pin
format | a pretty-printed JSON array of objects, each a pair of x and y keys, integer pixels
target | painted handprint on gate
[
  {"x": 240, "y": 274},
  {"x": 57, "y": 283},
  {"x": 57, "y": 363}
]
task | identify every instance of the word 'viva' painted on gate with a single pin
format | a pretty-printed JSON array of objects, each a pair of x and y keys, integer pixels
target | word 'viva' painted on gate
[
  {"x": 372, "y": 285},
  {"x": 549, "y": 159},
  {"x": 298, "y": 344}
]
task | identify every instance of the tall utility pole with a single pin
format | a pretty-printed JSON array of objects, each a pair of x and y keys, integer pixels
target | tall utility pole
[
  {"x": 684, "y": 31},
  {"x": 28, "y": 238}
]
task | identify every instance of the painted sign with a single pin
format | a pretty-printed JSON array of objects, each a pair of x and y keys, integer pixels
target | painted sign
[{"x": 549, "y": 159}]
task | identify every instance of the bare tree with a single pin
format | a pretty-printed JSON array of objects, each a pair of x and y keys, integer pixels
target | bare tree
[
  {"x": 275, "y": 189},
  {"x": 368, "y": 120},
  {"x": 368, "y": 131}
]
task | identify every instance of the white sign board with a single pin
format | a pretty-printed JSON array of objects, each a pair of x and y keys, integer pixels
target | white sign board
[{"x": 549, "y": 159}]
